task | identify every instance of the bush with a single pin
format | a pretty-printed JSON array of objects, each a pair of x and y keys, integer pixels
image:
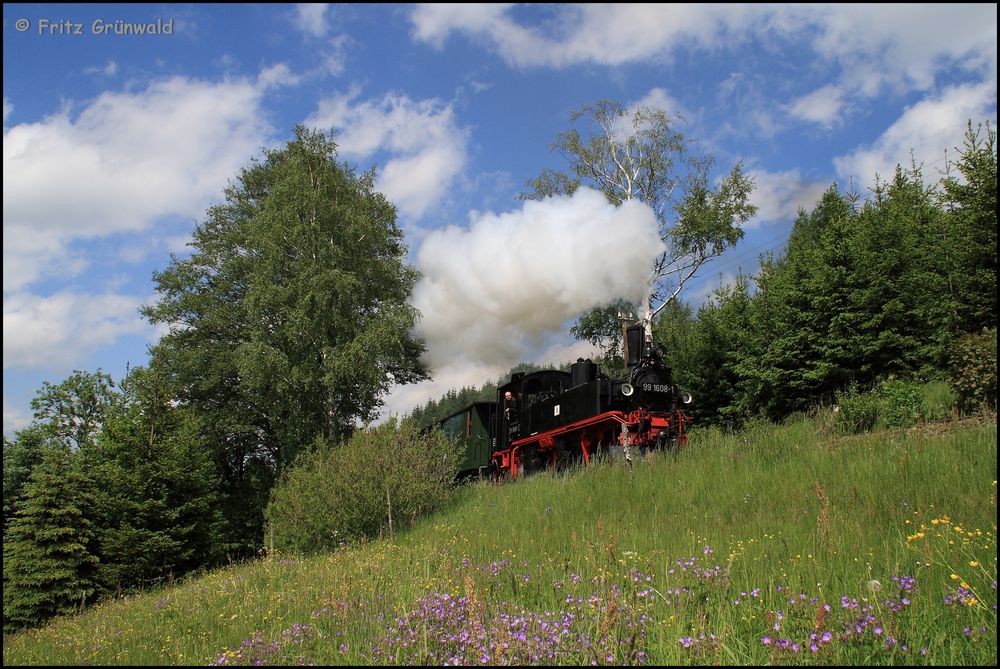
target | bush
[
  {"x": 900, "y": 403},
  {"x": 858, "y": 411},
  {"x": 893, "y": 403},
  {"x": 974, "y": 371},
  {"x": 938, "y": 401},
  {"x": 342, "y": 493}
]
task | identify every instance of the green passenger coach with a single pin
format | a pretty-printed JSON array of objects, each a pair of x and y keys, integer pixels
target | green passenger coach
[{"x": 471, "y": 429}]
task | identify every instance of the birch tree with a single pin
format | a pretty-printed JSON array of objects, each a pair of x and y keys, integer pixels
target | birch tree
[{"x": 639, "y": 154}]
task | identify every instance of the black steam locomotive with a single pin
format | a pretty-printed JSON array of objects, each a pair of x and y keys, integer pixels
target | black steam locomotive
[{"x": 549, "y": 418}]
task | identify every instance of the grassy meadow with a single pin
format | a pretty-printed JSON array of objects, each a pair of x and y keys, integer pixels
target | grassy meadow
[{"x": 777, "y": 545}]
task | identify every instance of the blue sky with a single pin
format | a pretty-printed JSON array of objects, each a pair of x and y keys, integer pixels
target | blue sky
[{"x": 115, "y": 144}]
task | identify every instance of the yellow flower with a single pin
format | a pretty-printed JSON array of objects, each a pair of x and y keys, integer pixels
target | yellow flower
[
  {"x": 954, "y": 577},
  {"x": 973, "y": 564}
]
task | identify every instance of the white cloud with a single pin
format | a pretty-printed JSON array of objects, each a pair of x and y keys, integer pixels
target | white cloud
[
  {"x": 30, "y": 254},
  {"x": 779, "y": 195},
  {"x": 657, "y": 98},
  {"x": 602, "y": 34},
  {"x": 903, "y": 46},
  {"x": 128, "y": 161},
  {"x": 870, "y": 47},
  {"x": 124, "y": 161},
  {"x": 310, "y": 18},
  {"x": 426, "y": 148},
  {"x": 110, "y": 69},
  {"x": 928, "y": 128},
  {"x": 55, "y": 332},
  {"x": 275, "y": 76},
  {"x": 823, "y": 106},
  {"x": 14, "y": 419},
  {"x": 899, "y": 44}
]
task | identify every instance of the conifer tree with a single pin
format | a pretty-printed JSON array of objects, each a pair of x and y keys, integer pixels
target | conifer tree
[{"x": 48, "y": 564}]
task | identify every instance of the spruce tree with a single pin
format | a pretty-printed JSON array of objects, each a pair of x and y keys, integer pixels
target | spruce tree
[{"x": 48, "y": 564}]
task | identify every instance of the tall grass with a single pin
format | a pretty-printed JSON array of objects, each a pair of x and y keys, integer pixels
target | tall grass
[{"x": 784, "y": 544}]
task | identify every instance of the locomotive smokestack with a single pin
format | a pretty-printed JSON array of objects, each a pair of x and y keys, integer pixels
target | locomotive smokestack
[{"x": 634, "y": 345}]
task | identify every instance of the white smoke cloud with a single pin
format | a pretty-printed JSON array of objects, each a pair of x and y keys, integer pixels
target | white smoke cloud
[{"x": 494, "y": 291}]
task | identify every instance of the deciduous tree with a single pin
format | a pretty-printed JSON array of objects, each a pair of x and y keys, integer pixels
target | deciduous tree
[
  {"x": 639, "y": 154},
  {"x": 289, "y": 321}
]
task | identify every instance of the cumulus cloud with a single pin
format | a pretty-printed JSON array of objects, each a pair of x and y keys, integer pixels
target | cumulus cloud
[
  {"x": 823, "y": 106},
  {"x": 14, "y": 418},
  {"x": 879, "y": 43},
  {"x": 903, "y": 46},
  {"x": 56, "y": 331},
  {"x": 778, "y": 196},
  {"x": 602, "y": 34},
  {"x": 494, "y": 290},
  {"x": 928, "y": 129},
  {"x": 870, "y": 47},
  {"x": 310, "y": 18},
  {"x": 130, "y": 157},
  {"x": 425, "y": 148},
  {"x": 124, "y": 163}
]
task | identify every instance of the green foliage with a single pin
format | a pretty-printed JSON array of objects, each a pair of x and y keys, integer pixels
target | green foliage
[
  {"x": 290, "y": 319},
  {"x": 901, "y": 404},
  {"x": 974, "y": 371},
  {"x": 857, "y": 411},
  {"x": 864, "y": 292},
  {"x": 381, "y": 478},
  {"x": 19, "y": 459},
  {"x": 155, "y": 501},
  {"x": 968, "y": 235},
  {"x": 893, "y": 403},
  {"x": 615, "y": 558},
  {"x": 641, "y": 155},
  {"x": 48, "y": 560},
  {"x": 602, "y": 327},
  {"x": 74, "y": 410}
]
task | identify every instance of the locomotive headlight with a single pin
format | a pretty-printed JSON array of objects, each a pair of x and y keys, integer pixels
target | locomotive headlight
[
  {"x": 627, "y": 389},
  {"x": 686, "y": 398}
]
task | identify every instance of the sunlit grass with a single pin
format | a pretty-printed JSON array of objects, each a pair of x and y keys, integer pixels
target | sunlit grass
[{"x": 775, "y": 545}]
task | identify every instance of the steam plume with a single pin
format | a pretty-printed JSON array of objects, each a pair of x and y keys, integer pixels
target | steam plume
[{"x": 492, "y": 292}]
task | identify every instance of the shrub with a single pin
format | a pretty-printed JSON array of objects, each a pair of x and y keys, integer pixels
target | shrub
[
  {"x": 858, "y": 411},
  {"x": 893, "y": 403},
  {"x": 974, "y": 371},
  {"x": 342, "y": 493},
  {"x": 937, "y": 401},
  {"x": 900, "y": 403}
]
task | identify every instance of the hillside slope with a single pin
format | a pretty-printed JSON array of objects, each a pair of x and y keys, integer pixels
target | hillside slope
[{"x": 775, "y": 545}]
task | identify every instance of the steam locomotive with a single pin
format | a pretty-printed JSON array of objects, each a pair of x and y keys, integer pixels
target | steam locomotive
[{"x": 550, "y": 418}]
